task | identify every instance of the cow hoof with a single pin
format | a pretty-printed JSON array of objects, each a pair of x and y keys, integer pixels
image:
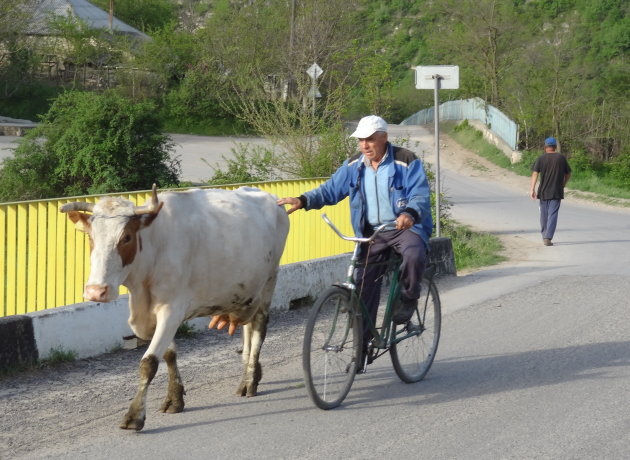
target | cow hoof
[
  {"x": 131, "y": 423},
  {"x": 174, "y": 401},
  {"x": 170, "y": 406},
  {"x": 247, "y": 390}
]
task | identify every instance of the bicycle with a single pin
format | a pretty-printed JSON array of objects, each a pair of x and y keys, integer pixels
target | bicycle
[{"x": 332, "y": 347}]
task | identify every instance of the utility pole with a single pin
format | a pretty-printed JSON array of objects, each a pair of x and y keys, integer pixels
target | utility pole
[
  {"x": 111, "y": 15},
  {"x": 289, "y": 83}
]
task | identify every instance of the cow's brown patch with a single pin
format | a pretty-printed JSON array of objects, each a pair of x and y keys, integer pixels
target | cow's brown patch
[{"x": 128, "y": 243}]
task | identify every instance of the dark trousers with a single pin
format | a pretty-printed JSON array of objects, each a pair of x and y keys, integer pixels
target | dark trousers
[
  {"x": 549, "y": 217},
  {"x": 369, "y": 279}
]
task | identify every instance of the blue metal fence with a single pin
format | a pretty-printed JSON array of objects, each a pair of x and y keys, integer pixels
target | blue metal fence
[{"x": 471, "y": 109}]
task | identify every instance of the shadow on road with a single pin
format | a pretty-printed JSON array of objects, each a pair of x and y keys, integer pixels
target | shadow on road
[{"x": 473, "y": 376}]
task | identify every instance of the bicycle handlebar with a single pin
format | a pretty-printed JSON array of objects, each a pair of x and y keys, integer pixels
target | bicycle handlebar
[{"x": 356, "y": 239}]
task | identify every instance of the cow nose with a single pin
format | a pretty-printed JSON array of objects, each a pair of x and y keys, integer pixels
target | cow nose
[{"x": 96, "y": 292}]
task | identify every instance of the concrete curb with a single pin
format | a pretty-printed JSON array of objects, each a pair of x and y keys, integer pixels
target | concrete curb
[{"x": 91, "y": 328}]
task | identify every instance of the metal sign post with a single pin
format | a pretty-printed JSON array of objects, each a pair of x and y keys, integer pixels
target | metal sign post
[
  {"x": 436, "y": 77},
  {"x": 314, "y": 72}
]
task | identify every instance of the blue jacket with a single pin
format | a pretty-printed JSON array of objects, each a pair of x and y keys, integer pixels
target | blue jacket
[{"x": 408, "y": 185}]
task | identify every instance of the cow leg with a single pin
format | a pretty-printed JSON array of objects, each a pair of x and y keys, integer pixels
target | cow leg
[
  {"x": 253, "y": 336},
  {"x": 135, "y": 416},
  {"x": 164, "y": 332},
  {"x": 174, "y": 401}
]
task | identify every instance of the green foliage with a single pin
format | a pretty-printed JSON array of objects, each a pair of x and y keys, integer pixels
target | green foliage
[
  {"x": 330, "y": 149},
  {"x": 17, "y": 60},
  {"x": 186, "y": 331},
  {"x": 320, "y": 156},
  {"x": 556, "y": 67},
  {"x": 87, "y": 144},
  {"x": 473, "y": 249},
  {"x": 620, "y": 169},
  {"x": 472, "y": 138},
  {"x": 255, "y": 165},
  {"x": 84, "y": 45},
  {"x": 607, "y": 180},
  {"x": 376, "y": 80},
  {"x": 195, "y": 101},
  {"x": 169, "y": 54},
  {"x": 580, "y": 161},
  {"x": 29, "y": 100},
  {"x": 145, "y": 15},
  {"x": 60, "y": 355},
  {"x": 524, "y": 167}
]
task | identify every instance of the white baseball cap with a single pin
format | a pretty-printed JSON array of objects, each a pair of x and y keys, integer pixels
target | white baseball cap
[{"x": 368, "y": 126}]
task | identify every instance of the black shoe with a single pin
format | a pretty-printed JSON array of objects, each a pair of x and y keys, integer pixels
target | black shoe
[{"x": 404, "y": 310}]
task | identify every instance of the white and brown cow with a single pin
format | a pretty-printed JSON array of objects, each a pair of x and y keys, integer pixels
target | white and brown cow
[{"x": 184, "y": 255}]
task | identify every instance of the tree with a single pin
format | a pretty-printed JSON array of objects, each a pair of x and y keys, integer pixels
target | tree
[
  {"x": 482, "y": 36},
  {"x": 90, "y": 143},
  {"x": 265, "y": 84},
  {"x": 16, "y": 61}
]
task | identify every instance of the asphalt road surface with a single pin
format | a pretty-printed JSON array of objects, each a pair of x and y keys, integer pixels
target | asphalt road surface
[{"x": 534, "y": 362}]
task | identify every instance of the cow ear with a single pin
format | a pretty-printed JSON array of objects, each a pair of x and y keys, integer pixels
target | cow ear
[
  {"x": 147, "y": 219},
  {"x": 80, "y": 221}
]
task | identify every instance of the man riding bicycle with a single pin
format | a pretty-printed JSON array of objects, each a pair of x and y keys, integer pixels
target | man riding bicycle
[{"x": 386, "y": 184}]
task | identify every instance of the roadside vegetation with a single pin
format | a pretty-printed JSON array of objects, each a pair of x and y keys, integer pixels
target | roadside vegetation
[
  {"x": 556, "y": 67},
  {"x": 610, "y": 181},
  {"x": 473, "y": 249}
]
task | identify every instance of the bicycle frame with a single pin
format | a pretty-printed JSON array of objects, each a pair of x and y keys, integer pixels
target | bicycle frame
[{"x": 387, "y": 335}]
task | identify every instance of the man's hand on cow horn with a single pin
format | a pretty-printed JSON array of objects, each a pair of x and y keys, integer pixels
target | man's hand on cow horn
[{"x": 294, "y": 202}]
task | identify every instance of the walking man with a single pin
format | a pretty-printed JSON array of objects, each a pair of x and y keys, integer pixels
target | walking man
[{"x": 554, "y": 172}]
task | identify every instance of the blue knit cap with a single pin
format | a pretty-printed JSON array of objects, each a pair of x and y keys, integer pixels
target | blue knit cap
[{"x": 551, "y": 142}]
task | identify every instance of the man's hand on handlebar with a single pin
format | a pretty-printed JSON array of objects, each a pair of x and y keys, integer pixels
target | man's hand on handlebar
[
  {"x": 295, "y": 203},
  {"x": 404, "y": 222}
]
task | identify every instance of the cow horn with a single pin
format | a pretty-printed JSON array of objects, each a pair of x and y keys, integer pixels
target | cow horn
[
  {"x": 77, "y": 206},
  {"x": 150, "y": 209}
]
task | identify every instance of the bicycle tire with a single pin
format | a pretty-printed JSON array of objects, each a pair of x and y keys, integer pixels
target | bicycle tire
[
  {"x": 413, "y": 356},
  {"x": 331, "y": 349}
]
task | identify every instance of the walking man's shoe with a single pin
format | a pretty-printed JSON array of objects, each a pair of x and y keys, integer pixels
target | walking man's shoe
[
  {"x": 547, "y": 242},
  {"x": 404, "y": 310}
]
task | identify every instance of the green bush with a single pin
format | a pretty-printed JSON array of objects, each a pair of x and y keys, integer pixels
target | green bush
[
  {"x": 255, "y": 165},
  {"x": 620, "y": 169},
  {"x": 30, "y": 102},
  {"x": 90, "y": 143},
  {"x": 580, "y": 161}
]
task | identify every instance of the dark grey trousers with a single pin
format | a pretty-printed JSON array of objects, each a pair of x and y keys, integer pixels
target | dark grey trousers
[
  {"x": 549, "y": 217},
  {"x": 369, "y": 279}
]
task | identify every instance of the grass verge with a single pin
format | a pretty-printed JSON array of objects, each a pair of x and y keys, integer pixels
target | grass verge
[
  {"x": 473, "y": 249},
  {"x": 591, "y": 184}
]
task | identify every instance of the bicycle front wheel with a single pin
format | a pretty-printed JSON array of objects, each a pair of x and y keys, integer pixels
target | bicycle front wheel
[
  {"x": 332, "y": 348},
  {"x": 413, "y": 355}
]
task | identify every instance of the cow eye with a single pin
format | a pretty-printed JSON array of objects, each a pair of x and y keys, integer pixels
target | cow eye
[{"x": 126, "y": 239}]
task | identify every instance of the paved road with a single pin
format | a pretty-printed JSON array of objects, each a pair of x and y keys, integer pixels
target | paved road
[{"x": 534, "y": 362}]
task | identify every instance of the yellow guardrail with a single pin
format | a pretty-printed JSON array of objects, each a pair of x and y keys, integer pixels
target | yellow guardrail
[{"x": 45, "y": 262}]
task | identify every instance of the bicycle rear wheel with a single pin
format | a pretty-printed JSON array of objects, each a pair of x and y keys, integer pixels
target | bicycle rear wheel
[
  {"x": 412, "y": 357},
  {"x": 332, "y": 348}
]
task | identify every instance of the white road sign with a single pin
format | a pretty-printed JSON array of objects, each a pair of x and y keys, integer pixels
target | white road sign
[
  {"x": 314, "y": 71},
  {"x": 448, "y": 76}
]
